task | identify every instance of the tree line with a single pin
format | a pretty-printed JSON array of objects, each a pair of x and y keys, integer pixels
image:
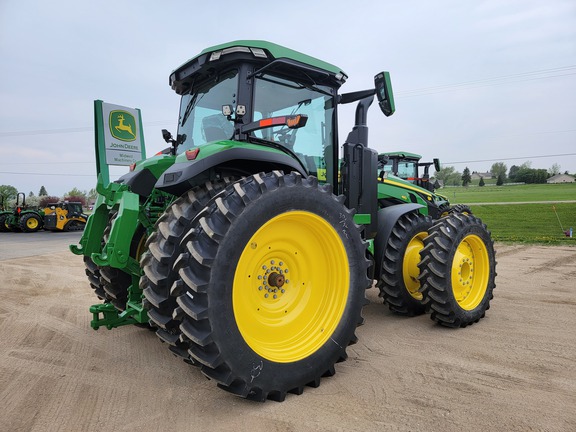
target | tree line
[
  {"x": 8, "y": 194},
  {"x": 524, "y": 173}
]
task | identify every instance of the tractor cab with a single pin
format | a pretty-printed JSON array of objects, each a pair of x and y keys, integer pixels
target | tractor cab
[
  {"x": 244, "y": 107},
  {"x": 253, "y": 106},
  {"x": 407, "y": 166}
]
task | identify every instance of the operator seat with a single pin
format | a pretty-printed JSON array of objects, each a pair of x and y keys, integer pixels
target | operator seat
[{"x": 216, "y": 127}]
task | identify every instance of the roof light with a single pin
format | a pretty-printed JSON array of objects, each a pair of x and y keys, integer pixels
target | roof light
[
  {"x": 256, "y": 52},
  {"x": 235, "y": 50},
  {"x": 341, "y": 77},
  {"x": 259, "y": 52},
  {"x": 215, "y": 55}
]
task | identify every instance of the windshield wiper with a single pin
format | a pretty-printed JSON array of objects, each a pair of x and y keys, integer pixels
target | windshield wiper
[{"x": 193, "y": 102}]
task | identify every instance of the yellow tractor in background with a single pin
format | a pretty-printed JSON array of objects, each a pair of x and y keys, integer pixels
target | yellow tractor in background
[{"x": 64, "y": 216}]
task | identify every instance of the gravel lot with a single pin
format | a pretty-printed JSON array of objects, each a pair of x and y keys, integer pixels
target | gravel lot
[{"x": 513, "y": 371}]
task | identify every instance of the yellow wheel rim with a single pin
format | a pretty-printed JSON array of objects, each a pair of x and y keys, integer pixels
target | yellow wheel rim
[
  {"x": 32, "y": 223},
  {"x": 291, "y": 286},
  {"x": 470, "y": 272},
  {"x": 410, "y": 270}
]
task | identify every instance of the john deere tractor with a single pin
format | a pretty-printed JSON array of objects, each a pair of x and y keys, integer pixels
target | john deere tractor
[
  {"x": 22, "y": 218},
  {"x": 400, "y": 183},
  {"x": 407, "y": 166},
  {"x": 248, "y": 246}
]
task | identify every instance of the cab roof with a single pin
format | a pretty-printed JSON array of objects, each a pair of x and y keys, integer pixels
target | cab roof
[{"x": 258, "y": 51}]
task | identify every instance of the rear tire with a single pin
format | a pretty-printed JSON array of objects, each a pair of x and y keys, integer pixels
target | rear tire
[
  {"x": 31, "y": 222},
  {"x": 273, "y": 283},
  {"x": 93, "y": 273},
  {"x": 157, "y": 263},
  {"x": 399, "y": 284},
  {"x": 116, "y": 282},
  {"x": 458, "y": 270},
  {"x": 460, "y": 208},
  {"x": 3, "y": 226}
]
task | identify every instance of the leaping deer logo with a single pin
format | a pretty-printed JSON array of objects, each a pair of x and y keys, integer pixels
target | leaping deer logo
[{"x": 122, "y": 127}]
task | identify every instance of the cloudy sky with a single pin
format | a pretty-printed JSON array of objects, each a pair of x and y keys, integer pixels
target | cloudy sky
[{"x": 476, "y": 82}]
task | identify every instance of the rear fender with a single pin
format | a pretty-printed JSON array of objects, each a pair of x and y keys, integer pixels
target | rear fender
[
  {"x": 237, "y": 161},
  {"x": 387, "y": 218}
]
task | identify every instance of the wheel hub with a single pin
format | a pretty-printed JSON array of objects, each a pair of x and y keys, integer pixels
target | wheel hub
[{"x": 272, "y": 278}]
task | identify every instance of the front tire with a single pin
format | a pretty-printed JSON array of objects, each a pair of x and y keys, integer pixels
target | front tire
[
  {"x": 273, "y": 284},
  {"x": 458, "y": 270}
]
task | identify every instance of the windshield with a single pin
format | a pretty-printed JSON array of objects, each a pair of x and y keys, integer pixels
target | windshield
[
  {"x": 274, "y": 97},
  {"x": 404, "y": 170},
  {"x": 201, "y": 118}
]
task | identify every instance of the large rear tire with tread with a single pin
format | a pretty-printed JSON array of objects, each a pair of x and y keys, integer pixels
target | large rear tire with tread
[
  {"x": 458, "y": 270},
  {"x": 94, "y": 277},
  {"x": 273, "y": 285},
  {"x": 460, "y": 208},
  {"x": 399, "y": 284},
  {"x": 31, "y": 222},
  {"x": 157, "y": 263}
]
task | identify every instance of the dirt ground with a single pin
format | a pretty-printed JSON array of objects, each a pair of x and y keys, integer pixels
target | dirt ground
[{"x": 513, "y": 371}]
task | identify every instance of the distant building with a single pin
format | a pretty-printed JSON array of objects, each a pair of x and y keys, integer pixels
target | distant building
[
  {"x": 561, "y": 178},
  {"x": 476, "y": 175}
]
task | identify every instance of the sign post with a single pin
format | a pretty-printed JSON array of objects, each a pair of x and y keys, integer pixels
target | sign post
[{"x": 119, "y": 139}]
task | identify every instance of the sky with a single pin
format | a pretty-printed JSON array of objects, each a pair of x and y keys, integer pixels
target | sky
[{"x": 475, "y": 82}]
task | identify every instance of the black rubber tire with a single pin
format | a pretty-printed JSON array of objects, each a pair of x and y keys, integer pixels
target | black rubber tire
[
  {"x": 404, "y": 242},
  {"x": 3, "y": 227},
  {"x": 157, "y": 263},
  {"x": 458, "y": 256},
  {"x": 460, "y": 208},
  {"x": 116, "y": 282},
  {"x": 23, "y": 222},
  {"x": 212, "y": 253},
  {"x": 93, "y": 273}
]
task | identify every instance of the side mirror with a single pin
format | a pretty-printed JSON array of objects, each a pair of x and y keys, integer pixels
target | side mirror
[
  {"x": 166, "y": 135},
  {"x": 383, "y": 159},
  {"x": 436, "y": 164},
  {"x": 384, "y": 93}
]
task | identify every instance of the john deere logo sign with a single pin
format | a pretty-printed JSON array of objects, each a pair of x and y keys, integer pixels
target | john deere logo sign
[
  {"x": 122, "y": 125},
  {"x": 119, "y": 136}
]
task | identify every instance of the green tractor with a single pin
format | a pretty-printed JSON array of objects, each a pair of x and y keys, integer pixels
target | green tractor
[
  {"x": 399, "y": 183},
  {"x": 21, "y": 218},
  {"x": 249, "y": 243},
  {"x": 3, "y": 215},
  {"x": 407, "y": 166}
]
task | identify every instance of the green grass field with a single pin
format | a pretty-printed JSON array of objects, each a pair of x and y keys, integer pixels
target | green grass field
[
  {"x": 522, "y": 223},
  {"x": 514, "y": 193}
]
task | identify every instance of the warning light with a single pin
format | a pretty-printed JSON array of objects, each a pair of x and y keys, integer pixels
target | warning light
[{"x": 192, "y": 154}]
